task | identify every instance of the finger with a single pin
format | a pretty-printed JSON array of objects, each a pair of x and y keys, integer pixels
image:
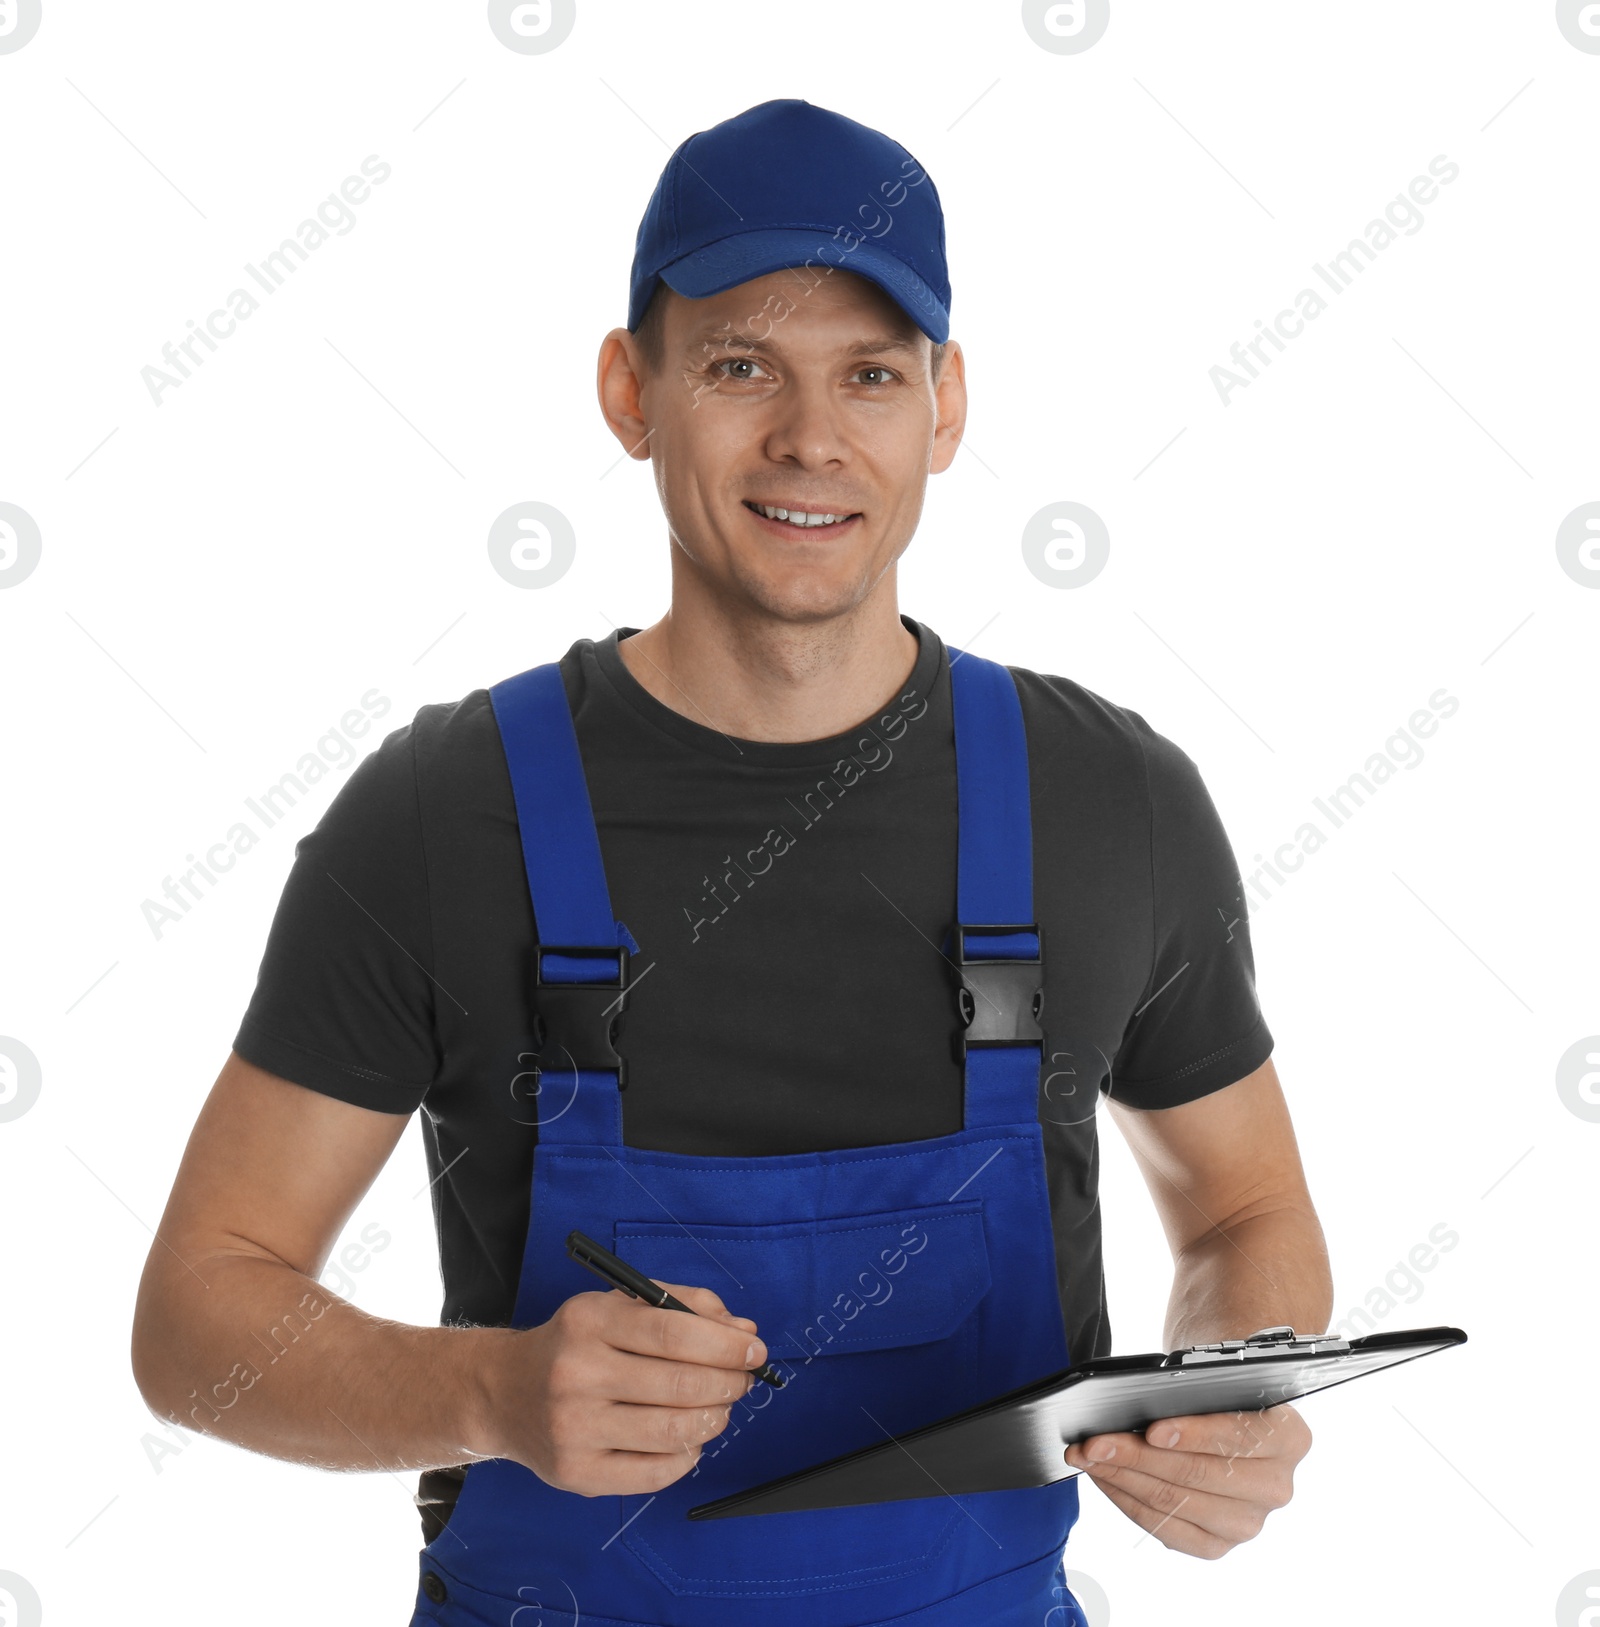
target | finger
[
  {"x": 627, "y": 1474},
  {"x": 623, "y": 1427},
  {"x": 704, "y": 1302},
  {"x": 1243, "y": 1479},
  {"x": 649, "y": 1330},
  {"x": 1231, "y": 1440},
  {"x": 650, "y": 1381},
  {"x": 1277, "y": 1431},
  {"x": 1236, "y": 1519},
  {"x": 1171, "y": 1530}
]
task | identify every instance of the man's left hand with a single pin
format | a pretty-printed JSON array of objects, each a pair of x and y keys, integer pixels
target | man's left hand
[{"x": 1201, "y": 1485}]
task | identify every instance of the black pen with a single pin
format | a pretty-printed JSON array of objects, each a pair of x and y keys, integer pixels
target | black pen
[{"x": 621, "y": 1275}]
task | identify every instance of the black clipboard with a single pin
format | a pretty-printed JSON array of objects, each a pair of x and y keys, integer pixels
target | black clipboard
[{"x": 1018, "y": 1439}]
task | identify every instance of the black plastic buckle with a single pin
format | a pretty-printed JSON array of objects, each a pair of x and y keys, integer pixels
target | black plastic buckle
[
  {"x": 999, "y": 1002},
  {"x": 577, "y": 1022}
]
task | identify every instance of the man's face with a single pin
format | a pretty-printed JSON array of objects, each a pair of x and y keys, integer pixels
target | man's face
[{"x": 799, "y": 393}]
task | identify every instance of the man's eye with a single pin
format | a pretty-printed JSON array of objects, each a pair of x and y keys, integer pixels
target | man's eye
[
  {"x": 740, "y": 361},
  {"x": 883, "y": 374}
]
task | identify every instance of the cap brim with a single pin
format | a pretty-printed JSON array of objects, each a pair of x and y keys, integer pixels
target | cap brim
[{"x": 733, "y": 260}]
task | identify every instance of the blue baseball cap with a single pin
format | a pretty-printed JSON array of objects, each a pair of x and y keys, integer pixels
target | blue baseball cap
[{"x": 785, "y": 184}]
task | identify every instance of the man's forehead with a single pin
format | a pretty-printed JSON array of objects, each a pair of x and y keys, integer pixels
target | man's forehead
[{"x": 770, "y": 339}]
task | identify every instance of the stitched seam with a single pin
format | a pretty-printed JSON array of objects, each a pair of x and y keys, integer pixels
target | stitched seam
[
  {"x": 896, "y": 1337},
  {"x": 796, "y": 1584},
  {"x": 934, "y": 1318},
  {"x": 812, "y": 226},
  {"x": 1170, "y": 1078},
  {"x": 1052, "y": 1554},
  {"x": 1150, "y": 826},
  {"x": 827, "y": 1583},
  {"x": 257, "y": 1027},
  {"x": 569, "y": 1149},
  {"x": 427, "y": 892},
  {"x": 964, "y": 1212}
]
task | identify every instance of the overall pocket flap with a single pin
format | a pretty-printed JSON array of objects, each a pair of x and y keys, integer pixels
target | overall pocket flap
[{"x": 815, "y": 1287}]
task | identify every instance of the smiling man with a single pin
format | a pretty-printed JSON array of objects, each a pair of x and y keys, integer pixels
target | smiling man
[{"x": 789, "y": 953}]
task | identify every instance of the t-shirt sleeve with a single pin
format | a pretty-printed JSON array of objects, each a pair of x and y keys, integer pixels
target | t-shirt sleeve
[
  {"x": 1197, "y": 1025},
  {"x": 343, "y": 1002}
]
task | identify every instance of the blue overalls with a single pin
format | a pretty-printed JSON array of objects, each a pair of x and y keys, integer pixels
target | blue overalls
[{"x": 891, "y": 1284}]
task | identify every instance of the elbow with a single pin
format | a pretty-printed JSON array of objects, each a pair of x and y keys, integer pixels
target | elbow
[
  {"x": 150, "y": 1351},
  {"x": 1317, "y": 1274},
  {"x": 147, "y": 1371}
]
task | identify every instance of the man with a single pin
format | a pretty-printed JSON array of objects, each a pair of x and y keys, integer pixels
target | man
[{"x": 893, "y": 920}]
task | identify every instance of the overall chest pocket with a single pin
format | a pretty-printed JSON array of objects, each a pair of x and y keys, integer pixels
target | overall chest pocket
[
  {"x": 873, "y": 1320},
  {"x": 857, "y": 1282}
]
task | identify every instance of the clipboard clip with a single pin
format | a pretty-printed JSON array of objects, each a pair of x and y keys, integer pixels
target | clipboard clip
[{"x": 1280, "y": 1341}]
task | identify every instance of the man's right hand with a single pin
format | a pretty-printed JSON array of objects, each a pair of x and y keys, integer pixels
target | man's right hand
[{"x": 614, "y": 1397}]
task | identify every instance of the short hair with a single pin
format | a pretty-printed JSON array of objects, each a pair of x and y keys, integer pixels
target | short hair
[{"x": 650, "y": 336}]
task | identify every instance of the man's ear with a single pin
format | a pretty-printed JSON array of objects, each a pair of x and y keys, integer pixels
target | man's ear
[
  {"x": 950, "y": 404},
  {"x": 619, "y": 382}
]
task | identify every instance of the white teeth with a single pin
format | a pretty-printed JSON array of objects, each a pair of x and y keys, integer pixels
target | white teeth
[{"x": 797, "y": 518}]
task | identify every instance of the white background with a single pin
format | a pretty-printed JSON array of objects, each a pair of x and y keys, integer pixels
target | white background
[{"x": 1294, "y": 575}]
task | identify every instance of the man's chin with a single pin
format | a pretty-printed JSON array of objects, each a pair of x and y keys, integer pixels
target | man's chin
[{"x": 805, "y": 602}]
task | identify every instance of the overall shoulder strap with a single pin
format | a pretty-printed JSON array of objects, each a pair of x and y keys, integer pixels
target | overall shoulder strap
[
  {"x": 581, "y": 958},
  {"x": 996, "y": 945}
]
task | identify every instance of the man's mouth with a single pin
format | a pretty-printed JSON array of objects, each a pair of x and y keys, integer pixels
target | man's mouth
[{"x": 800, "y": 519}]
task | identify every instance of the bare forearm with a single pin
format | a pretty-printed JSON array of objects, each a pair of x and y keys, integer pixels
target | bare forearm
[
  {"x": 261, "y": 1355},
  {"x": 1268, "y": 1271}
]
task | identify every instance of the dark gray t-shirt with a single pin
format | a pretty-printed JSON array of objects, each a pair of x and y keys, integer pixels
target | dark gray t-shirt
[{"x": 789, "y": 901}]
